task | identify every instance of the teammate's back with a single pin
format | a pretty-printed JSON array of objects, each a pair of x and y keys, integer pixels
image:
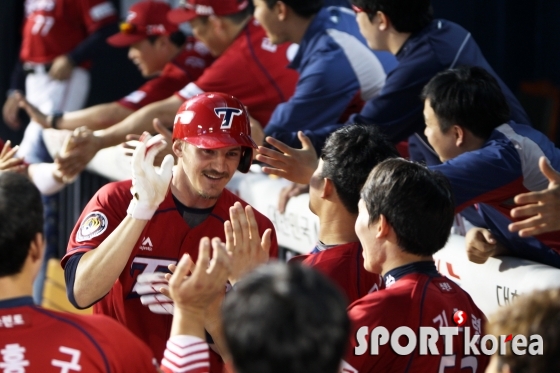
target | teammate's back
[{"x": 39, "y": 340}]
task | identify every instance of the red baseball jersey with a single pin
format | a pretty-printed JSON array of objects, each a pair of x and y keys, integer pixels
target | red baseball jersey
[
  {"x": 344, "y": 264},
  {"x": 36, "y": 340},
  {"x": 415, "y": 295},
  {"x": 163, "y": 241},
  {"x": 251, "y": 69},
  {"x": 56, "y": 27},
  {"x": 186, "y": 67}
]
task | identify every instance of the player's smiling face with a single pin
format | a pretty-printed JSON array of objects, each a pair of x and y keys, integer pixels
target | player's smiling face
[
  {"x": 147, "y": 57},
  {"x": 207, "y": 171},
  {"x": 269, "y": 19},
  {"x": 444, "y": 143}
]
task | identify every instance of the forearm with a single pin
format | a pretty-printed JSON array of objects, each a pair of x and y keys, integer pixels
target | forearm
[
  {"x": 141, "y": 120},
  {"x": 188, "y": 322},
  {"x": 216, "y": 331},
  {"x": 99, "y": 269},
  {"x": 95, "y": 118}
]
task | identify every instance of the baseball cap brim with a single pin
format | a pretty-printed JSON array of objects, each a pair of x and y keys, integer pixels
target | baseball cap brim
[
  {"x": 217, "y": 141},
  {"x": 181, "y": 15},
  {"x": 124, "y": 40}
]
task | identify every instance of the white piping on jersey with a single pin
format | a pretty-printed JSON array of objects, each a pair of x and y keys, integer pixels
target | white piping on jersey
[
  {"x": 190, "y": 90},
  {"x": 529, "y": 153},
  {"x": 364, "y": 63},
  {"x": 460, "y": 50}
]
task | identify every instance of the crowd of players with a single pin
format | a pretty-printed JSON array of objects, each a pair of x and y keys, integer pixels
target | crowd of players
[{"x": 155, "y": 253}]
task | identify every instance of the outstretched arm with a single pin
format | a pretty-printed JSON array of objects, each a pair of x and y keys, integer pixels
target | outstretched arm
[{"x": 542, "y": 209}]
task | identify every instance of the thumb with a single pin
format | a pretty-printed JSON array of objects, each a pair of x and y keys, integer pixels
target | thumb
[
  {"x": 488, "y": 236},
  {"x": 161, "y": 129},
  {"x": 305, "y": 141},
  {"x": 166, "y": 168},
  {"x": 547, "y": 170}
]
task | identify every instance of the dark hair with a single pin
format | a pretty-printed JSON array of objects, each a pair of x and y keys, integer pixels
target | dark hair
[
  {"x": 349, "y": 155},
  {"x": 303, "y": 8},
  {"x": 178, "y": 38},
  {"x": 286, "y": 318},
  {"x": 405, "y": 15},
  {"x": 469, "y": 97},
  {"x": 416, "y": 202},
  {"x": 21, "y": 218}
]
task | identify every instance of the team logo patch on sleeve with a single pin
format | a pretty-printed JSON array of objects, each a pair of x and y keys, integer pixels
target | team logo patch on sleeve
[{"x": 93, "y": 225}]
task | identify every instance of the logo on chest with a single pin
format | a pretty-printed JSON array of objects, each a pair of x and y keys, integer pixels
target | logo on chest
[{"x": 146, "y": 244}]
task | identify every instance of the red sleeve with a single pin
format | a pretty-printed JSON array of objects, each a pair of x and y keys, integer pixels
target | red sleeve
[
  {"x": 160, "y": 88},
  {"x": 185, "y": 353},
  {"x": 98, "y": 13},
  {"x": 104, "y": 212}
]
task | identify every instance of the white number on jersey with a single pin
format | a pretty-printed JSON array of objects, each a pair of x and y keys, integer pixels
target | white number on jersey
[{"x": 42, "y": 24}]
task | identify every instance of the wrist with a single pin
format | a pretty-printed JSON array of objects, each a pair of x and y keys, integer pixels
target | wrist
[
  {"x": 139, "y": 210},
  {"x": 54, "y": 119}
]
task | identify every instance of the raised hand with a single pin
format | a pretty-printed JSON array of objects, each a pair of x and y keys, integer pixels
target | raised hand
[
  {"x": 243, "y": 242},
  {"x": 149, "y": 186},
  {"x": 296, "y": 165}
]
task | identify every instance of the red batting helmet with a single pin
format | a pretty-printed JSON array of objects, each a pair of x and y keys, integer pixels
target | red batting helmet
[{"x": 214, "y": 120}]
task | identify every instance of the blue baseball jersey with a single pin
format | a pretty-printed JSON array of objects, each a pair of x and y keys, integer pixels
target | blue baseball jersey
[
  {"x": 336, "y": 71},
  {"x": 505, "y": 166},
  {"x": 398, "y": 109}
]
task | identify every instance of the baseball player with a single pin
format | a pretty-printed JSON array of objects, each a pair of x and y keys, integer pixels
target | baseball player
[
  {"x": 489, "y": 162},
  {"x": 120, "y": 236},
  {"x": 330, "y": 44},
  {"x": 36, "y": 340},
  {"x": 247, "y": 66},
  {"x": 406, "y": 214},
  {"x": 423, "y": 47},
  {"x": 346, "y": 161},
  {"x": 59, "y": 38},
  {"x": 159, "y": 49}
]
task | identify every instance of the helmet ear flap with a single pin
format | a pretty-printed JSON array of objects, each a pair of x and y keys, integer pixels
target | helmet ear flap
[{"x": 246, "y": 160}]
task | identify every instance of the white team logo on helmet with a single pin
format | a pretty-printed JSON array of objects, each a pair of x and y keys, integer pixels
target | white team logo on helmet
[{"x": 93, "y": 225}]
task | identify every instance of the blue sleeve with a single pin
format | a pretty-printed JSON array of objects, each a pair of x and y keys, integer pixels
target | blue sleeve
[
  {"x": 326, "y": 86},
  {"x": 486, "y": 175},
  {"x": 70, "y": 278},
  {"x": 17, "y": 79},
  {"x": 93, "y": 45}
]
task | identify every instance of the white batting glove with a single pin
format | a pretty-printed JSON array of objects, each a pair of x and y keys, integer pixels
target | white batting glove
[
  {"x": 147, "y": 286},
  {"x": 149, "y": 186}
]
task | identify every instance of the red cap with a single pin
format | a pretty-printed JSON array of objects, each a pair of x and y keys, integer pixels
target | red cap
[
  {"x": 144, "y": 19},
  {"x": 213, "y": 120},
  {"x": 190, "y": 9}
]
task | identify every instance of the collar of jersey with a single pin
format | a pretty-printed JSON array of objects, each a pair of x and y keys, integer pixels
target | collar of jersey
[
  {"x": 425, "y": 267},
  {"x": 16, "y": 302}
]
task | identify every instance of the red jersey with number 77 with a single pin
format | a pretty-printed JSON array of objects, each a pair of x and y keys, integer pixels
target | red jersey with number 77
[
  {"x": 416, "y": 295},
  {"x": 55, "y": 27}
]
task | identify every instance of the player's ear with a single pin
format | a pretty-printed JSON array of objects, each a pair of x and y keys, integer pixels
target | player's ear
[
  {"x": 383, "y": 227},
  {"x": 177, "y": 148},
  {"x": 328, "y": 188},
  {"x": 459, "y": 133},
  {"x": 384, "y": 21},
  {"x": 281, "y": 10},
  {"x": 37, "y": 248}
]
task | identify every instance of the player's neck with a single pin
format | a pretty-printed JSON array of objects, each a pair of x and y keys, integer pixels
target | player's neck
[
  {"x": 397, "y": 258},
  {"x": 15, "y": 286},
  {"x": 396, "y": 40},
  {"x": 337, "y": 226},
  {"x": 298, "y": 28}
]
